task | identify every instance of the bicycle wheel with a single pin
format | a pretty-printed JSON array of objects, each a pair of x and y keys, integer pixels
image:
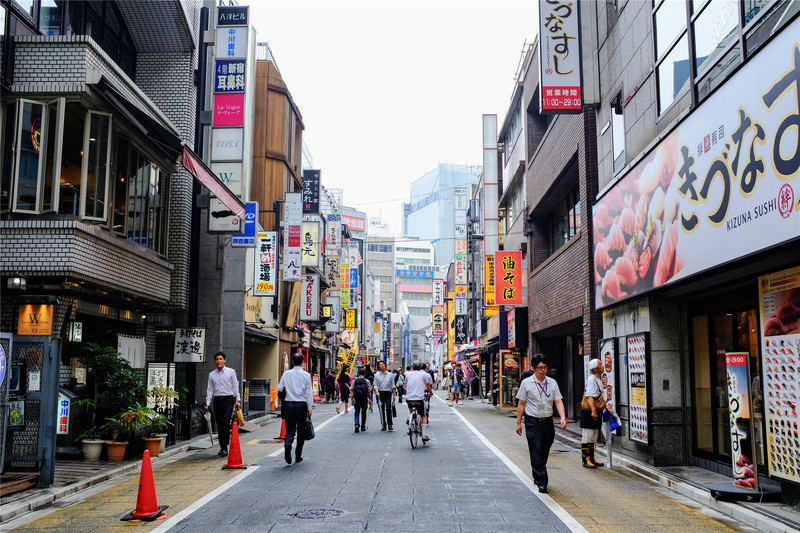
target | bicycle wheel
[{"x": 413, "y": 431}]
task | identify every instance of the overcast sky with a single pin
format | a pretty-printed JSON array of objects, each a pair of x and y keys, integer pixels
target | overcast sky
[{"x": 390, "y": 88}]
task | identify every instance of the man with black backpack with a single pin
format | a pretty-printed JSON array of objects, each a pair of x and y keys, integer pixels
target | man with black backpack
[{"x": 362, "y": 390}]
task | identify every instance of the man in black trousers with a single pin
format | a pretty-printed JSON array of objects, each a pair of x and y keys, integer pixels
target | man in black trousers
[{"x": 297, "y": 406}]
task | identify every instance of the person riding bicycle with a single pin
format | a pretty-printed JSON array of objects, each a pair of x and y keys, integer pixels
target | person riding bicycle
[{"x": 418, "y": 384}]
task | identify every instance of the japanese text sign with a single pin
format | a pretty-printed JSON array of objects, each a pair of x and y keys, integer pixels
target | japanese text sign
[
  {"x": 62, "y": 421},
  {"x": 723, "y": 185},
  {"x": 332, "y": 325},
  {"x": 231, "y": 43},
  {"x": 311, "y": 191},
  {"x": 333, "y": 234},
  {"x": 310, "y": 245},
  {"x": 508, "y": 278},
  {"x": 559, "y": 57},
  {"x": 438, "y": 292},
  {"x": 229, "y": 109},
  {"x": 232, "y": 15},
  {"x": 190, "y": 345},
  {"x": 438, "y": 320},
  {"x": 488, "y": 272},
  {"x": 460, "y": 265},
  {"x": 293, "y": 224},
  {"x": 266, "y": 254},
  {"x": 248, "y": 238},
  {"x": 229, "y": 76},
  {"x": 332, "y": 274}
]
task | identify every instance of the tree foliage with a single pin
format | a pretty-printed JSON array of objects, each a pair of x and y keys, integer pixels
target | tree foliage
[{"x": 117, "y": 387}]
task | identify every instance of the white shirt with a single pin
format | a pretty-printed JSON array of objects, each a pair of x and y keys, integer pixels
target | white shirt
[
  {"x": 538, "y": 396},
  {"x": 297, "y": 384},
  {"x": 593, "y": 386},
  {"x": 384, "y": 381},
  {"x": 415, "y": 384},
  {"x": 222, "y": 383}
]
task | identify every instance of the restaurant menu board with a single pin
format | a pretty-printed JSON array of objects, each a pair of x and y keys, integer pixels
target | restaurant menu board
[
  {"x": 780, "y": 370},
  {"x": 637, "y": 388},
  {"x": 608, "y": 356},
  {"x": 741, "y": 428}
]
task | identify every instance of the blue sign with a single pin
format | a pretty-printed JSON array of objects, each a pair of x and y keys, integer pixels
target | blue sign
[
  {"x": 2, "y": 365},
  {"x": 229, "y": 76},
  {"x": 353, "y": 278},
  {"x": 415, "y": 274},
  {"x": 248, "y": 238}
]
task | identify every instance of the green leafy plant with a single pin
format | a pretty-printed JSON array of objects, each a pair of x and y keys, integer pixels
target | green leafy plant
[
  {"x": 158, "y": 424},
  {"x": 163, "y": 397},
  {"x": 127, "y": 423},
  {"x": 93, "y": 433},
  {"x": 116, "y": 386}
]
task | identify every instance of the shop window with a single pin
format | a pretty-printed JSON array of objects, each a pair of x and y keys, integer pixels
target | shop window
[
  {"x": 139, "y": 199},
  {"x": 96, "y": 162},
  {"x": 618, "y": 132},
  {"x": 104, "y": 23},
  {"x": 719, "y": 73},
  {"x": 37, "y": 144}
]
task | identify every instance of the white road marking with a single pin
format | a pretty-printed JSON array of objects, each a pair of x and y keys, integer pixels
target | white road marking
[
  {"x": 278, "y": 452},
  {"x": 559, "y": 511}
]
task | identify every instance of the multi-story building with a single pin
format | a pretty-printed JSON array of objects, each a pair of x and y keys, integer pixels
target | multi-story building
[
  {"x": 429, "y": 215},
  {"x": 414, "y": 274},
  {"x": 697, "y": 230}
]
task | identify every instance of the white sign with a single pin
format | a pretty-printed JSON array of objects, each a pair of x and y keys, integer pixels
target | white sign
[
  {"x": 293, "y": 224},
  {"x": 559, "y": 57},
  {"x": 310, "y": 245},
  {"x": 230, "y": 174},
  {"x": 460, "y": 217},
  {"x": 227, "y": 144},
  {"x": 332, "y": 325},
  {"x": 348, "y": 336},
  {"x": 231, "y": 43},
  {"x": 460, "y": 263},
  {"x": 34, "y": 381},
  {"x": 438, "y": 292},
  {"x": 220, "y": 218},
  {"x": 190, "y": 345},
  {"x": 309, "y": 298},
  {"x": 75, "y": 331},
  {"x": 460, "y": 306},
  {"x": 460, "y": 198},
  {"x": 266, "y": 267},
  {"x": 333, "y": 234}
]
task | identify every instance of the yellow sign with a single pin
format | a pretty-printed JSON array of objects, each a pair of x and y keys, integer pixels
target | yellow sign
[
  {"x": 252, "y": 308},
  {"x": 350, "y": 319},
  {"x": 35, "y": 319},
  {"x": 461, "y": 291},
  {"x": 294, "y": 304},
  {"x": 488, "y": 285}
]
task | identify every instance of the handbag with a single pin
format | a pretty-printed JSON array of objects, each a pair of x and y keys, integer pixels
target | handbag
[
  {"x": 237, "y": 417},
  {"x": 599, "y": 403},
  {"x": 394, "y": 410},
  {"x": 612, "y": 419},
  {"x": 309, "y": 432}
]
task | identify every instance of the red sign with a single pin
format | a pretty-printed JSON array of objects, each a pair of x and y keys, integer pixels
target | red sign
[
  {"x": 229, "y": 109},
  {"x": 508, "y": 278}
]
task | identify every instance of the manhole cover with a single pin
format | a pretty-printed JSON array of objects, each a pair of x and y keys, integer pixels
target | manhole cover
[
  {"x": 269, "y": 441},
  {"x": 313, "y": 514}
]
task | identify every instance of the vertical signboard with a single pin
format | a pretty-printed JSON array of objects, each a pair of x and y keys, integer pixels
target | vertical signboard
[
  {"x": 266, "y": 257},
  {"x": 293, "y": 224},
  {"x": 508, "y": 278},
  {"x": 779, "y": 306},
  {"x": 310, "y": 245},
  {"x": 190, "y": 345},
  {"x": 639, "y": 421},
  {"x": 309, "y": 298},
  {"x": 437, "y": 296},
  {"x": 344, "y": 284},
  {"x": 438, "y": 321},
  {"x": 333, "y": 235},
  {"x": 333, "y": 323},
  {"x": 248, "y": 238},
  {"x": 332, "y": 274},
  {"x": 559, "y": 57},
  {"x": 311, "y": 192},
  {"x": 741, "y": 420},
  {"x": 62, "y": 421}
]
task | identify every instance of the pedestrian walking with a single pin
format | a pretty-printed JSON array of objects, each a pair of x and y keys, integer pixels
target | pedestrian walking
[
  {"x": 296, "y": 411},
  {"x": 343, "y": 380},
  {"x": 456, "y": 384},
  {"x": 400, "y": 384},
  {"x": 330, "y": 386},
  {"x": 384, "y": 383},
  {"x": 370, "y": 375},
  {"x": 537, "y": 395},
  {"x": 223, "y": 387},
  {"x": 591, "y": 420},
  {"x": 362, "y": 389}
]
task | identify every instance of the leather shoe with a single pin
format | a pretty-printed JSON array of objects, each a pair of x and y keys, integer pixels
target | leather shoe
[
  {"x": 383, "y": 428},
  {"x": 391, "y": 428},
  {"x": 298, "y": 459},
  {"x": 222, "y": 453},
  {"x": 543, "y": 489},
  {"x": 288, "y": 455}
]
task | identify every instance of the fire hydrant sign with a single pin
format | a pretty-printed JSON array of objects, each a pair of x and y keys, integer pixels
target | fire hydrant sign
[{"x": 190, "y": 345}]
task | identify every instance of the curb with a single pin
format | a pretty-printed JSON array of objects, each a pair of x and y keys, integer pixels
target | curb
[{"x": 50, "y": 495}]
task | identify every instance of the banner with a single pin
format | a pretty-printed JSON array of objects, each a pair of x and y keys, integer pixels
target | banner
[
  {"x": 559, "y": 57},
  {"x": 344, "y": 284},
  {"x": 779, "y": 306},
  {"x": 293, "y": 224},
  {"x": 333, "y": 235},
  {"x": 723, "y": 185},
  {"x": 639, "y": 429},
  {"x": 741, "y": 423},
  {"x": 438, "y": 292},
  {"x": 508, "y": 278},
  {"x": 310, "y": 245},
  {"x": 309, "y": 307},
  {"x": 311, "y": 191},
  {"x": 266, "y": 274}
]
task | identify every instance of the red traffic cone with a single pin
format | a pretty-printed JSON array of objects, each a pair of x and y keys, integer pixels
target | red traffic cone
[
  {"x": 235, "y": 455},
  {"x": 283, "y": 431},
  {"x": 147, "y": 507}
]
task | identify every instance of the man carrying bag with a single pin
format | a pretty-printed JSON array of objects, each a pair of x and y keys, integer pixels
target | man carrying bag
[{"x": 296, "y": 409}]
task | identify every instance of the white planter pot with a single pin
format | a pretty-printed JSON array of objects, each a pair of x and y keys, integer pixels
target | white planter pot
[
  {"x": 92, "y": 448},
  {"x": 163, "y": 440}
]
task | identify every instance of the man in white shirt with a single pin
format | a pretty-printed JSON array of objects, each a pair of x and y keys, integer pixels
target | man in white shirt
[
  {"x": 418, "y": 383},
  {"x": 297, "y": 406},
  {"x": 537, "y": 395},
  {"x": 223, "y": 387},
  {"x": 384, "y": 384}
]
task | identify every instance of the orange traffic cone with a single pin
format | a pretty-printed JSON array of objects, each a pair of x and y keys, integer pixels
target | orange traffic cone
[
  {"x": 235, "y": 455},
  {"x": 147, "y": 507},
  {"x": 283, "y": 431}
]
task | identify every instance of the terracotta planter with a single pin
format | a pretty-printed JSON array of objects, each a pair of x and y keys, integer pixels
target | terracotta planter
[
  {"x": 115, "y": 450},
  {"x": 153, "y": 445},
  {"x": 92, "y": 448}
]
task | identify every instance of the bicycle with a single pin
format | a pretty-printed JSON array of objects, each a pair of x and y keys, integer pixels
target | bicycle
[{"x": 414, "y": 423}]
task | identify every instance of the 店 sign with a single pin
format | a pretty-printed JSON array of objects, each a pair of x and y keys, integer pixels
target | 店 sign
[
  {"x": 248, "y": 238},
  {"x": 266, "y": 267},
  {"x": 190, "y": 345},
  {"x": 508, "y": 278},
  {"x": 723, "y": 185},
  {"x": 309, "y": 299},
  {"x": 35, "y": 319},
  {"x": 559, "y": 57}
]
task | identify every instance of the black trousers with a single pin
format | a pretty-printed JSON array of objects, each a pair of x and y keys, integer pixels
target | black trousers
[
  {"x": 385, "y": 407},
  {"x": 295, "y": 415},
  {"x": 362, "y": 407},
  {"x": 223, "y": 411},
  {"x": 540, "y": 433}
]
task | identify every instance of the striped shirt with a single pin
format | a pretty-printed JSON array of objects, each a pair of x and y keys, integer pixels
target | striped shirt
[{"x": 384, "y": 381}]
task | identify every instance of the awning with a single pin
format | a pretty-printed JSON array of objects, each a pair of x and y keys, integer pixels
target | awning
[
  {"x": 199, "y": 170},
  {"x": 254, "y": 334}
]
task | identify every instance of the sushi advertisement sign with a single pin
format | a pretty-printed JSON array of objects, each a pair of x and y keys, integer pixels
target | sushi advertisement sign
[
  {"x": 723, "y": 184},
  {"x": 741, "y": 421},
  {"x": 779, "y": 299}
]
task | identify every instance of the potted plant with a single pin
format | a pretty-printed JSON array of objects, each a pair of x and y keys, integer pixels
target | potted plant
[
  {"x": 155, "y": 433},
  {"x": 91, "y": 440},
  {"x": 163, "y": 400},
  {"x": 124, "y": 426}
]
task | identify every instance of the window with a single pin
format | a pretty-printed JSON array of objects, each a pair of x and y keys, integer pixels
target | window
[
  {"x": 673, "y": 74},
  {"x": 145, "y": 188},
  {"x": 50, "y": 17},
  {"x": 565, "y": 221},
  {"x": 37, "y": 147},
  {"x": 512, "y": 135},
  {"x": 96, "y": 155},
  {"x": 618, "y": 132},
  {"x": 714, "y": 28},
  {"x": 103, "y": 22}
]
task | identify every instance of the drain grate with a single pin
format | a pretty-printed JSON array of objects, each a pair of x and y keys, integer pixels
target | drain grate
[
  {"x": 316, "y": 514},
  {"x": 268, "y": 441}
]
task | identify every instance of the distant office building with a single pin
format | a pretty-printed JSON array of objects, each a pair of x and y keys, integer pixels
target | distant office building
[{"x": 429, "y": 215}]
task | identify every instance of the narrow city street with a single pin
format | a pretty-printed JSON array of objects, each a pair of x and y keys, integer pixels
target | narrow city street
[{"x": 473, "y": 475}]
